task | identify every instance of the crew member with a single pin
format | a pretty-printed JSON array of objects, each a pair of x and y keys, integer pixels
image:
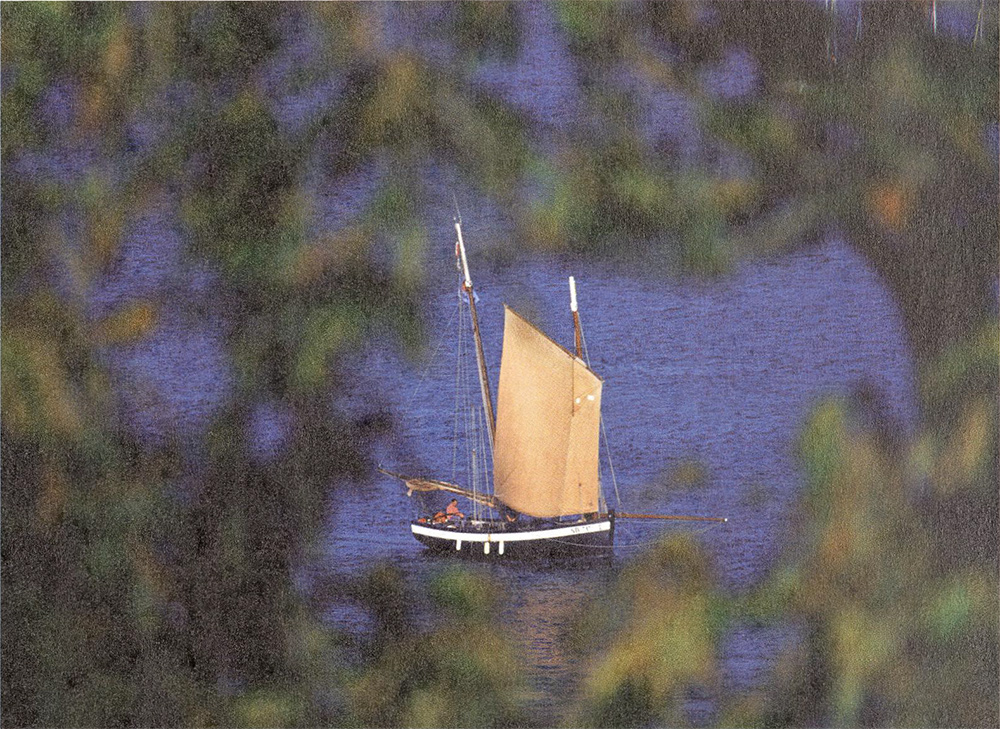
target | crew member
[{"x": 452, "y": 510}]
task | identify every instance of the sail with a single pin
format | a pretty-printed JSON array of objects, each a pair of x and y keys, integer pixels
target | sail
[{"x": 548, "y": 423}]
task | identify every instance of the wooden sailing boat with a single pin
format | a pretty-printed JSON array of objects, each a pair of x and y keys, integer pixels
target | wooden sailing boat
[{"x": 545, "y": 441}]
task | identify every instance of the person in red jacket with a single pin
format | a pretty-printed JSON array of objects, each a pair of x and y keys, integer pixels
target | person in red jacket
[{"x": 452, "y": 510}]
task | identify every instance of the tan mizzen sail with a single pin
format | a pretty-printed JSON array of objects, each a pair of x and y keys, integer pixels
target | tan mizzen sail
[{"x": 548, "y": 423}]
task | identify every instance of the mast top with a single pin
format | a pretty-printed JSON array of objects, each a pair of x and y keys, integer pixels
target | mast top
[
  {"x": 461, "y": 250},
  {"x": 572, "y": 294}
]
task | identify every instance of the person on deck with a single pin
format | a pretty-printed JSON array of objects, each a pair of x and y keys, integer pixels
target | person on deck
[{"x": 452, "y": 510}]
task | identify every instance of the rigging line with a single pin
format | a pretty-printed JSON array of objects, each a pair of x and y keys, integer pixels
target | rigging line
[
  {"x": 487, "y": 481},
  {"x": 475, "y": 462},
  {"x": 604, "y": 430},
  {"x": 487, "y": 453},
  {"x": 474, "y": 446},
  {"x": 482, "y": 457},
  {"x": 467, "y": 414},
  {"x": 611, "y": 465},
  {"x": 484, "y": 445},
  {"x": 468, "y": 411},
  {"x": 486, "y": 415},
  {"x": 482, "y": 468},
  {"x": 469, "y": 296},
  {"x": 458, "y": 390}
]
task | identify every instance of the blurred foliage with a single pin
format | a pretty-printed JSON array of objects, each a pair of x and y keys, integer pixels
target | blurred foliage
[
  {"x": 133, "y": 597},
  {"x": 892, "y": 571},
  {"x": 653, "y": 643},
  {"x": 461, "y": 673}
]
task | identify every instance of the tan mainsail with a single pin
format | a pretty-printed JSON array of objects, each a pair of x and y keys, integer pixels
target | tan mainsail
[{"x": 548, "y": 423}]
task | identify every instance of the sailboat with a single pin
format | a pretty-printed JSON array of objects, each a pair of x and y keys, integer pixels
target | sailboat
[{"x": 546, "y": 498}]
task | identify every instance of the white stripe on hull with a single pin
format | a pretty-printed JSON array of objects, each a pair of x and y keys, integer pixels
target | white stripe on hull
[{"x": 526, "y": 536}]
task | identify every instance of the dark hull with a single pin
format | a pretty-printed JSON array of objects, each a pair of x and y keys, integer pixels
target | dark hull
[{"x": 496, "y": 541}]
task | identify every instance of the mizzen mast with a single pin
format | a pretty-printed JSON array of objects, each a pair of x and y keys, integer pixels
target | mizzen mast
[{"x": 484, "y": 382}]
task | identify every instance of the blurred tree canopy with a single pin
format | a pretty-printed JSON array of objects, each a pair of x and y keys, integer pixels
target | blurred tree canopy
[{"x": 128, "y": 603}]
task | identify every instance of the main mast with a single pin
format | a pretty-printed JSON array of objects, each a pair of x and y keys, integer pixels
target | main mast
[{"x": 484, "y": 382}]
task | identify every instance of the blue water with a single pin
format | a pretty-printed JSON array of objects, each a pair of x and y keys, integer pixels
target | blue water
[{"x": 721, "y": 373}]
